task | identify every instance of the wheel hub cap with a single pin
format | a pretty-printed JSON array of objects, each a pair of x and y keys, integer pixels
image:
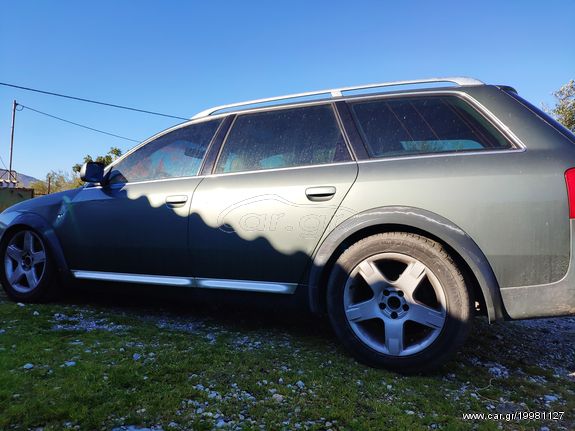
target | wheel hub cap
[
  {"x": 393, "y": 305},
  {"x": 26, "y": 262}
]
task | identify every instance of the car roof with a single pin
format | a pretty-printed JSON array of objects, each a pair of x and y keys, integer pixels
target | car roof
[{"x": 333, "y": 93}]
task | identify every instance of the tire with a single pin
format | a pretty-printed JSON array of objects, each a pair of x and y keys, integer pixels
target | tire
[
  {"x": 27, "y": 270},
  {"x": 397, "y": 300}
]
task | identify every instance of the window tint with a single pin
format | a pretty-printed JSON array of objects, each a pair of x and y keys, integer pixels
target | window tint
[
  {"x": 415, "y": 125},
  {"x": 175, "y": 154},
  {"x": 283, "y": 138}
]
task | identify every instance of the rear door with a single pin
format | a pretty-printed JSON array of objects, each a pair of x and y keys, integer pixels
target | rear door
[{"x": 278, "y": 180}]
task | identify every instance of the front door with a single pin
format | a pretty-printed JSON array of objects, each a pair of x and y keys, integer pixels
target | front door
[
  {"x": 130, "y": 228},
  {"x": 137, "y": 223}
]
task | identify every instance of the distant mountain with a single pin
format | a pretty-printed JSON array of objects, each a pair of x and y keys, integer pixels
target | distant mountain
[{"x": 23, "y": 180}]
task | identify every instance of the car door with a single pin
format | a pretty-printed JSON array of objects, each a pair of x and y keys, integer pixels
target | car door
[
  {"x": 137, "y": 222},
  {"x": 277, "y": 182}
]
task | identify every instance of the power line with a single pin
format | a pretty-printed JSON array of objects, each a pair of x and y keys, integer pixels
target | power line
[
  {"x": 77, "y": 124},
  {"x": 93, "y": 101}
]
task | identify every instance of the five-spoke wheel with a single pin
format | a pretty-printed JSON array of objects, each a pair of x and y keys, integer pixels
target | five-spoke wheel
[
  {"x": 398, "y": 300},
  {"x": 404, "y": 295},
  {"x": 26, "y": 271},
  {"x": 25, "y": 261}
]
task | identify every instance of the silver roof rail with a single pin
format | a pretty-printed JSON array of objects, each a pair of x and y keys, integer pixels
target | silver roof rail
[{"x": 337, "y": 92}]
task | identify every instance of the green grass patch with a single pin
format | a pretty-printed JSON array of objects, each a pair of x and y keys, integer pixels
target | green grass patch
[{"x": 95, "y": 366}]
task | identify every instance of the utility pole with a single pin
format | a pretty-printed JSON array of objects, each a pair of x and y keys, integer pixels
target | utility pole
[
  {"x": 49, "y": 182},
  {"x": 10, "y": 175}
]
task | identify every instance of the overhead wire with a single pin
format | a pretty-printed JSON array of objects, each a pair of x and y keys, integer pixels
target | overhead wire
[
  {"x": 81, "y": 99},
  {"x": 77, "y": 124}
]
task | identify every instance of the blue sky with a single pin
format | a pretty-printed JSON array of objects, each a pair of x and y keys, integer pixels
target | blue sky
[{"x": 180, "y": 57}]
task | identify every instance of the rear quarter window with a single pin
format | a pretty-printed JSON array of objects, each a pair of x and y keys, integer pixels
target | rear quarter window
[{"x": 424, "y": 125}]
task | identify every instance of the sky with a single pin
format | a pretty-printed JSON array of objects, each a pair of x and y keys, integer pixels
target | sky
[{"x": 180, "y": 57}]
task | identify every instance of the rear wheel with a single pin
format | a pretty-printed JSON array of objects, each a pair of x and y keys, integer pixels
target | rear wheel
[
  {"x": 27, "y": 269},
  {"x": 397, "y": 300}
]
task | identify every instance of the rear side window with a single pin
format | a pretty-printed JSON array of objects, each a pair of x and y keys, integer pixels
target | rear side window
[
  {"x": 421, "y": 125},
  {"x": 176, "y": 154},
  {"x": 283, "y": 138}
]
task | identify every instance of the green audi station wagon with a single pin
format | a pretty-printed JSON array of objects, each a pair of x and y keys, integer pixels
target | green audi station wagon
[{"x": 401, "y": 210}]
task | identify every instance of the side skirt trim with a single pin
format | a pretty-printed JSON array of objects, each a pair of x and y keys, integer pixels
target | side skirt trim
[
  {"x": 248, "y": 286},
  {"x": 203, "y": 283}
]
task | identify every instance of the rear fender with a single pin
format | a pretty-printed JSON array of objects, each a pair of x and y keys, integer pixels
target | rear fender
[{"x": 414, "y": 218}]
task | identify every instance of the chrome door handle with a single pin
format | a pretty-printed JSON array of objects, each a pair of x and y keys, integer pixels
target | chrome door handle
[
  {"x": 176, "y": 201},
  {"x": 319, "y": 194}
]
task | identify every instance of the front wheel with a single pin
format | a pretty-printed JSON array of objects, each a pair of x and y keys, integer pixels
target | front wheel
[
  {"x": 397, "y": 300},
  {"x": 26, "y": 270}
]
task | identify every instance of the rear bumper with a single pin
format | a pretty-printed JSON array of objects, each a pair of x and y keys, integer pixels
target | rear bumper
[{"x": 544, "y": 300}]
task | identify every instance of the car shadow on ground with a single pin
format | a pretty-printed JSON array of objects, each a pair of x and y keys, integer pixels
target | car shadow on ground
[
  {"x": 237, "y": 310},
  {"x": 289, "y": 314},
  {"x": 252, "y": 312}
]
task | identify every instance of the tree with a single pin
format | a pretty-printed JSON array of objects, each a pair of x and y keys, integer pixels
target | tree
[
  {"x": 58, "y": 180},
  {"x": 110, "y": 156},
  {"x": 564, "y": 110}
]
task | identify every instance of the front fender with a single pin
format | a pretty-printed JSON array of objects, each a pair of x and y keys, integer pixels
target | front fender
[
  {"x": 15, "y": 219},
  {"x": 414, "y": 218}
]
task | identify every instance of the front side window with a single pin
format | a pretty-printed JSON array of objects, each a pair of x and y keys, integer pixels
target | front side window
[
  {"x": 176, "y": 154},
  {"x": 283, "y": 138},
  {"x": 420, "y": 125}
]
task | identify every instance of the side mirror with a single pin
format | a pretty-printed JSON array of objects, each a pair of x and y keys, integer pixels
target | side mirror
[{"x": 92, "y": 172}]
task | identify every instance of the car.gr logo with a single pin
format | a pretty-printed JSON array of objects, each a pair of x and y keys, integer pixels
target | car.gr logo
[{"x": 273, "y": 213}]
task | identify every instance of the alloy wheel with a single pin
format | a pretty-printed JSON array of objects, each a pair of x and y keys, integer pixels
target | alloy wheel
[
  {"x": 25, "y": 261},
  {"x": 395, "y": 304}
]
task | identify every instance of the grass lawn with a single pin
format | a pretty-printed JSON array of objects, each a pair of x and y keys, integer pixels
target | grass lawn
[{"x": 86, "y": 363}]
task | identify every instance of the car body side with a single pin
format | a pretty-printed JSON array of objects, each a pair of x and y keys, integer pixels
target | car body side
[{"x": 503, "y": 213}]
